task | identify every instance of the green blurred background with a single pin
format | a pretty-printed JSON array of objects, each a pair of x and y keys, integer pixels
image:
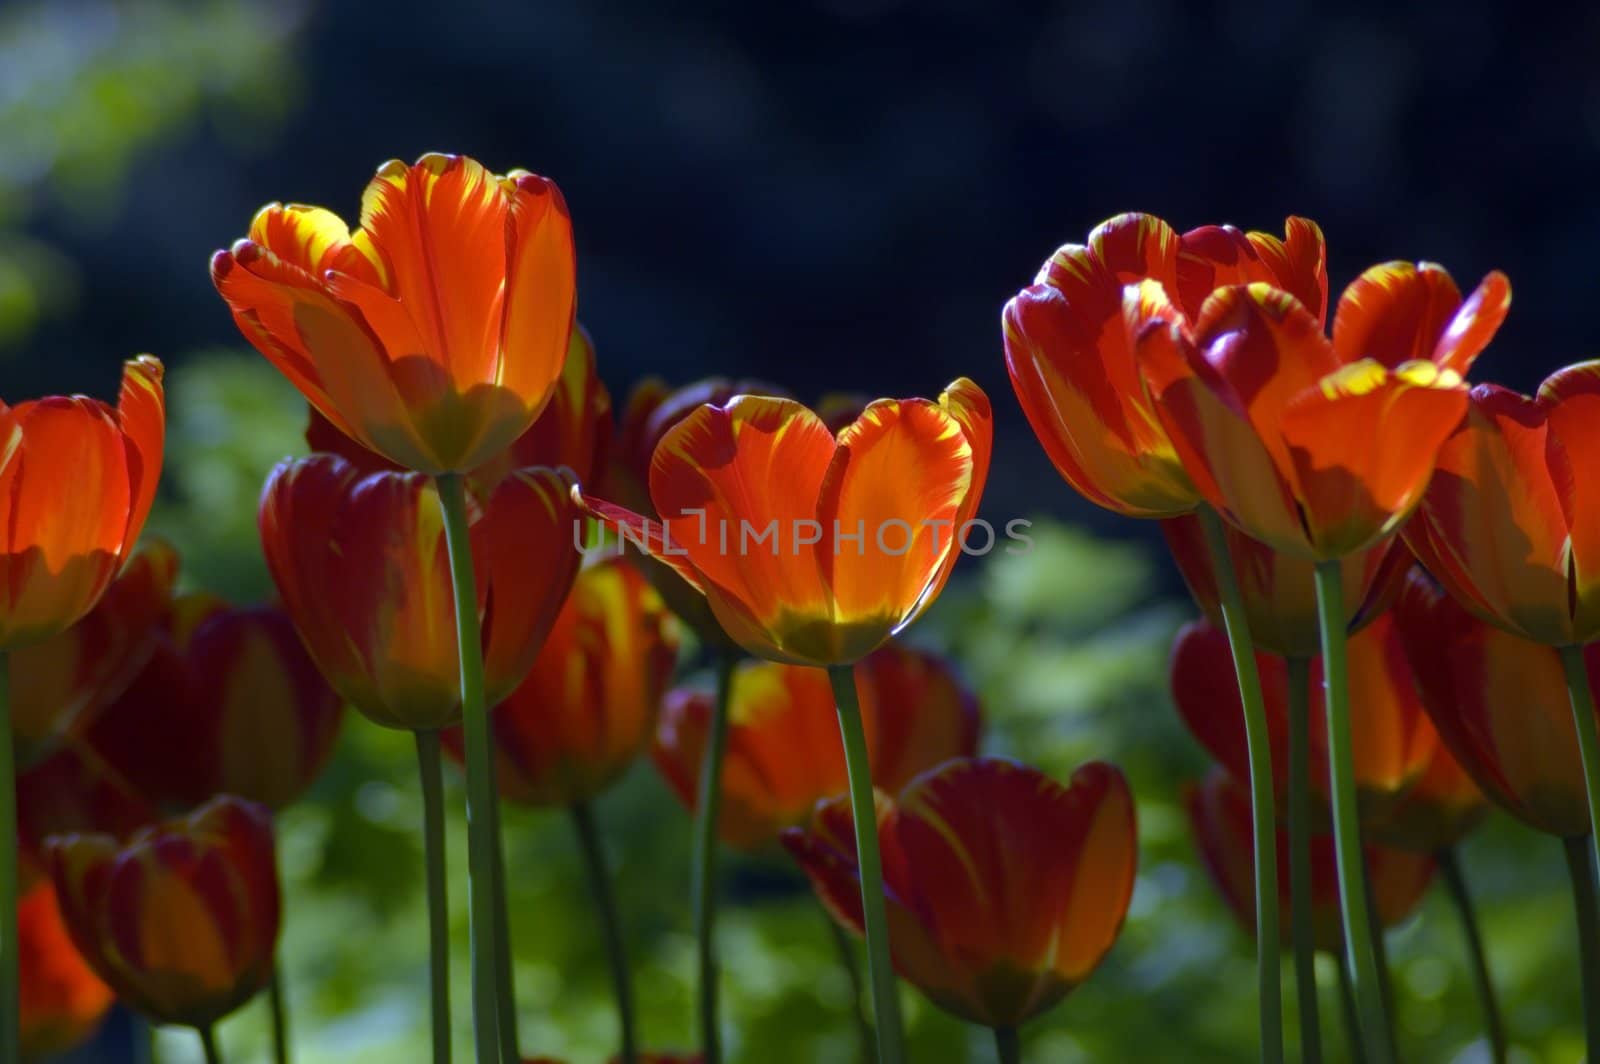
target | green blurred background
[{"x": 134, "y": 137}]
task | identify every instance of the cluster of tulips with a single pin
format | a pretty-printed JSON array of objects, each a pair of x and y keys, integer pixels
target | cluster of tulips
[{"x": 436, "y": 564}]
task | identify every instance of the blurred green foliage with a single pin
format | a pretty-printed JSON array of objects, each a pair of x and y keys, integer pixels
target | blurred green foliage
[{"x": 1067, "y": 644}]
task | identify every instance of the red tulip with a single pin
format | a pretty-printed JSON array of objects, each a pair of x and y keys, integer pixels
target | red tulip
[
  {"x": 433, "y": 334},
  {"x": 784, "y": 753},
  {"x": 75, "y": 791},
  {"x": 1219, "y": 816},
  {"x": 182, "y": 921},
  {"x": 362, "y": 567},
  {"x": 587, "y": 708},
  {"x": 62, "y": 549},
  {"x": 990, "y": 937},
  {"x": 62, "y": 1000}
]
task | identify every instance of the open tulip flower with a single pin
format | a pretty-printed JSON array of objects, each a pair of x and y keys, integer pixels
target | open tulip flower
[
  {"x": 63, "y": 1001},
  {"x": 991, "y": 938},
  {"x": 1413, "y": 794},
  {"x": 810, "y": 547},
  {"x": 588, "y": 706},
  {"x": 182, "y": 920},
  {"x": 362, "y": 567},
  {"x": 63, "y": 548},
  {"x": 435, "y": 332},
  {"x": 1219, "y": 816},
  {"x": 784, "y": 753},
  {"x": 60, "y": 685}
]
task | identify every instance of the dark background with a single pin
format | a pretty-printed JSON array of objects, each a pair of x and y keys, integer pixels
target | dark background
[{"x": 841, "y": 195}]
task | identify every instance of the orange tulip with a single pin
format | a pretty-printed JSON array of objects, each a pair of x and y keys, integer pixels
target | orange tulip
[
  {"x": 60, "y": 685},
  {"x": 812, "y": 548},
  {"x": 1506, "y": 524},
  {"x": 1072, "y": 360},
  {"x": 362, "y": 567},
  {"x": 1411, "y": 793},
  {"x": 182, "y": 921},
  {"x": 1500, "y": 704},
  {"x": 1316, "y": 448},
  {"x": 1279, "y": 591},
  {"x": 993, "y": 939},
  {"x": 433, "y": 334},
  {"x": 62, "y": 548},
  {"x": 62, "y": 1001},
  {"x": 573, "y": 432},
  {"x": 587, "y": 708},
  {"x": 784, "y": 753},
  {"x": 1219, "y": 816}
]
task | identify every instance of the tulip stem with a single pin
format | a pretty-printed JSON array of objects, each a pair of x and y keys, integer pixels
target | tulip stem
[
  {"x": 1007, "y": 1045},
  {"x": 10, "y": 999},
  {"x": 483, "y": 932},
  {"x": 847, "y": 960},
  {"x": 1352, "y": 1022},
  {"x": 1269, "y": 970},
  {"x": 1455, "y": 882},
  {"x": 1380, "y": 950},
  {"x": 1583, "y": 900},
  {"x": 429, "y": 772},
  {"x": 863, "y": 812},
  {"x": 594, "y": 859},
  {"x": 505, "y": 979},
  {"x": 1300, "y": 887},
  {"x": 704, "y": 870},
  {"x": 1582, "y": 698},
  {"x": 208, "y": 1044},
  {"x": 280, "y": 1016},
  {"x": 1358, "y": 942}
]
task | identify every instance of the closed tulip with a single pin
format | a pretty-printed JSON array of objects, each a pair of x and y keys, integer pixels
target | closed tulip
[
  {"x": 993, "y": 939},
  {"x": 435, "y": 332},
  {"x": 63, "y": 1001},
  {"x": 182, "y": 920},
  {"x": 362, "y": 566},
  {"x": 784, "y": 753}
]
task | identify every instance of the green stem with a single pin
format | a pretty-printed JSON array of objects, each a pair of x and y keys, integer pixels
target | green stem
[
  {"x": 1380, "y": 950},
  {"x": 1346, "y": 827},
  {"x": 10, "y": 997},
  {"x": 1300, "y": 885},
  {"x": 703, "y": 889},
  {"x": 847, "y": 960},
  {"x": 605, "y": 904},
  {"x": 1352, "y": 1022},
  {"x": 505, "y": 979},
  {"x": 484, "y": 935},
  {"x": 429, "y": 772},
  {"x": 1461, "y": 898},
  {"x": 280, "y": 1016},
  {"x": 1583, "y": 900},
  {"x": 863, "y": 811},
  {"x": 1582, "y": 699},
  {"x": 1264, "y": 818},
  {"x": 1007, "y": 1045},
  {"x": 208, "y": 1044}
]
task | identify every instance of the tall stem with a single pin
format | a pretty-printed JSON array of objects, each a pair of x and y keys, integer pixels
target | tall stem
[
  {"x": 1363, "y": 960},
  {"x": 1007, "y": 1045},
  {"x": 1352, "y": 1022},
  {"x": 10, "y": 995},
  {"x": 504, "y": 977},
  {"x": 1583, "y": 900},
  {"x": 484, "y": 934},
  {"x": 280, "y": 1016},
  {"x": 703, "y": 888},
  {"x": 847, "y": 960},
  {"x": 208, "y": 1044},
  {"x": 1380, "y": 950},
  {"x": 1582, "y": 698},
  {"x": 428, "y": 771},
  {"x": 1461, "y": 898},
  {"x": 594, "y": 860},
  {"x": 1300, "y": 886},
  {"x": 1263, "y": 816},
  {"x": 863, "y": 811}
]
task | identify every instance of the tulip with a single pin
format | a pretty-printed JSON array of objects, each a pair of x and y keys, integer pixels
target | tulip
[
  {"x": 433, "y": 334},
  {"x": 62, "y": 1000},
  {"x": 951, "y": 841},
  {"x": 783, "y": 758},
  {"x": 76, "y": 791},
  {"x": 182, "y": 920}
]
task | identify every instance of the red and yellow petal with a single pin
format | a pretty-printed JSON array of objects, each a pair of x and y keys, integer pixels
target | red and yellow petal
[
  {"x": 1572, "y": 399},
  {"x": 540, "y": 287},
  {"x": 1395, "y": 313},
  {"x": 1475, "y": 323},
  {"x": 1216, "y": 256}
]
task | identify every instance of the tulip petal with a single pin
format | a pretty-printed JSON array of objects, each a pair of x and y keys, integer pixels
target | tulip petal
[
  {"x": 1474, "y": 324},
  {"x": 1394, "y": 313},
  {"x": 141, "y": 410},
  {"x": 1572, "y": 398},
  {"x": 1216, "y": 256},
  {"x": 540, "y": 285}
]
